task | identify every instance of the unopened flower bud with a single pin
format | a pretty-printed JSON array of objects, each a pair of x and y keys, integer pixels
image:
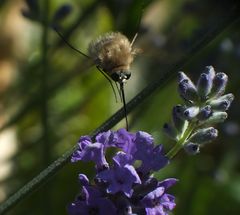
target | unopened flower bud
[
  {"x": 222, "y": 103},
  {"x": 170, "y": 131},
  {"x": 204, "y": 86},
  {"x": 182, "y": 76},
  {"x": 192, "y": 148},
  {"x": 204, "y": 113},
  {"x": 62, "y": 12},
  {"x": 191, "y": 112},
  {"x": 204, "y": 135},
  {"x": 209, "y": 70},
  {"x": 187, "y": 89},
  {"x": 178, "y": 121},
  {"x": 216, "y": 117},
  {"x": 219, "y": 84}
]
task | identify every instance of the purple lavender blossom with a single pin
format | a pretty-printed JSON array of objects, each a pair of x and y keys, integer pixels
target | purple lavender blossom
[
  {"x": 125, "y": 140},
  {"x": 152, "y": 158},
  {"x": 158, "y": 202},
  {"x": 89, "y": 151},
  {"x": 120, "y": 187},
  {"x": 120, "y": 178},
  {"x": 92, "y": 202}
]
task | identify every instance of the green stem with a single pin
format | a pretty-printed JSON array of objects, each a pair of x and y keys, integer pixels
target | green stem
[{"x": 180, "y": 143}]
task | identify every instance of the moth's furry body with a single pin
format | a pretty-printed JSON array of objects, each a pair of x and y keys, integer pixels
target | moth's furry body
[{"x": 113, "y": 53}]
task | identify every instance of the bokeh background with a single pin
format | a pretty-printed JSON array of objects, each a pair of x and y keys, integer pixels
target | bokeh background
[{"x": 50, "y": 95}]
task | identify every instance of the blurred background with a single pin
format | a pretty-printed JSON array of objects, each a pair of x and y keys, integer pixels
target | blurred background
[{"x": 51, "y": 95}]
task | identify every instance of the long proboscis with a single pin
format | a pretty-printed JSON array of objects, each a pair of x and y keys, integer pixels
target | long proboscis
[{"x": 124, "y": 104}]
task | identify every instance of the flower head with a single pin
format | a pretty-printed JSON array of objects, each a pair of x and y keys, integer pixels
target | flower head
[{"x": 120, "y": 187}]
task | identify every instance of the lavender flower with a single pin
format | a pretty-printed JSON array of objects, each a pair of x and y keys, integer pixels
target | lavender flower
[
  {"x": 121, "y": 187},
  {"x": 120, "y": 178},
  {"x": 89, "y": 151},
  {"x": 91, "y": 201},
  {"x": 158, "y": 202}
]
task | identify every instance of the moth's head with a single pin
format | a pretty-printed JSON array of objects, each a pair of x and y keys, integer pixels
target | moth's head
[{"x": 120, "y": 76}]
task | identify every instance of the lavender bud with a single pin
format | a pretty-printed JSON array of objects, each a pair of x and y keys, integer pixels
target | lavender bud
[
  {"x": 204, "y": 135},
  {"x": 62, "y": 12},
  {"x": 204, "y": 113},
  {"x": 178, "y": 121},
  {"x": 222, "y": 103},
  {"x": 192, "y": 148},
  {"x": 182, "y": 76},
  {"x": 170, "y": 131},
  {"x": 204, "y": 85},
  {"x": 187, "y": 89},
  {"x": 209, "y": 70},
  {"x": 191, "y": 112},
  {"x": 216, "y": 117},
  {"x": 219, "y": 84}
]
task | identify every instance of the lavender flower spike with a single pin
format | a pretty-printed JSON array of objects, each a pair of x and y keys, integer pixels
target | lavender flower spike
[{"x": 120, "y": 187}]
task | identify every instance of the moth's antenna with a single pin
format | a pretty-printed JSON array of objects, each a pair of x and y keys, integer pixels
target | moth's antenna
[
  {"x": 142, "y": 6},
  {"x": 64, "y": 40},
  {"x": 80, "y": 52},
  {"x": 134, "y": 38},
  {"x": 124, "y": 103}
]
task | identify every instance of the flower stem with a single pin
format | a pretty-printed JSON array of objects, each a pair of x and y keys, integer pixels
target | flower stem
[{"x": 180, "y": 143}]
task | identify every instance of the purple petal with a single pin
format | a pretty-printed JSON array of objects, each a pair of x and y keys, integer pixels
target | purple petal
[
  {"x": 121, "y": 159},
  {"x": 83, "y": 179},
  {"x": 120, "y": 179},
  {"x": 106, "y": 138},
  {"x": 154, "y": 160},
  {"x": 124, "y": 140},
  {"x": 90, "y": 152},
  {"x": 167, "y": 183}
]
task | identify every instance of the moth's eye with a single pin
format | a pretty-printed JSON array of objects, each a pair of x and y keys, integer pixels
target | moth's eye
[
  {"x": 127, "y": 74},
  {"x": 121, "y": 75},
  {"x": 115, "y": 76}
]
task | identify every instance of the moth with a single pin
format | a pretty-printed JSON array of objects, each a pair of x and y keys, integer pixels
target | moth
[{"x": 113, "y": 54}]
